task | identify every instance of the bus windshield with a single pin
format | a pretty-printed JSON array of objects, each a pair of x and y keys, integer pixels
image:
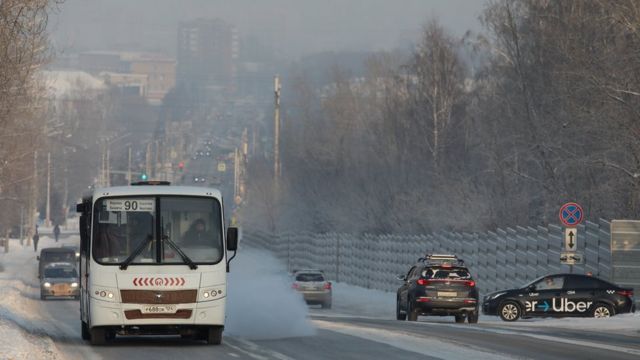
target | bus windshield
[{"x": 125, "y": 225}]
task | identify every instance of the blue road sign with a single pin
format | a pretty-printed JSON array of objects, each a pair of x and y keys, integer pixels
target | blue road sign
[{"x": 571, "y": 214}]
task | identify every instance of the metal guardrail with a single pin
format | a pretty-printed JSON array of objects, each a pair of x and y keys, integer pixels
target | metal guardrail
[{"x": 497, "y": 259}]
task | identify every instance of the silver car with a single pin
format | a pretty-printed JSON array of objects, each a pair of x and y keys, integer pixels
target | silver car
[
  {"x": 59, "y": 280},
  {"x": 313, "y": 286}
]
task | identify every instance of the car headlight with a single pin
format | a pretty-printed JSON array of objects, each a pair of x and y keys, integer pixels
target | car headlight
[
  {"x": 213, "y": 293},
  {"x": 74, "y": 284},
  {"x": 496, "y": 295},
  {"x": 47, "y": 284}
]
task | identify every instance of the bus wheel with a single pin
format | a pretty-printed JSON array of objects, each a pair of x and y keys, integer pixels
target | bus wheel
[
  {"x": 214, "y": 335},
  {"x": 98, "y": 336},
  {"x": 85, "y": 331}
]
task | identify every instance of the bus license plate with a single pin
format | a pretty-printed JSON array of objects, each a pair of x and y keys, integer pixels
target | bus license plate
[
  {"x": 447, "y": 294},
  {"x": 159, "y": 309}
]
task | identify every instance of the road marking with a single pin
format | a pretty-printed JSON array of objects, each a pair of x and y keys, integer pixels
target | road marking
[
  {"x": 255, "y": 351},
  {"x": 409, "y": 342},
  {"x": 567, "y": 341},
  {"x": 233, "y": 355}
]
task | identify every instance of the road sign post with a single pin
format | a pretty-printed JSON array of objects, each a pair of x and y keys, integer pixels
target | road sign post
[
  {"x": 571, "y": 214},
  {"x": 570, "y": 239}
]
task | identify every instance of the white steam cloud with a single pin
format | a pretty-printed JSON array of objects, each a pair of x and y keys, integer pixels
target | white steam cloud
[{"x": 261, "y": 303}]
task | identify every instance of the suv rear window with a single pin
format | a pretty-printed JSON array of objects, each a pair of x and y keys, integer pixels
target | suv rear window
[
  {"x": 309, "y": 277},
  {"x": 439, "y": 273}
]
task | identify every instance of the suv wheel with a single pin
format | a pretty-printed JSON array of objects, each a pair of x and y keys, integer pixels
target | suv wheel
[
  {"x": 602, "y": 311},
  {"x": 472, "y": 317},
  {"x": 459, "y": 319},
  {"x": 399, "y": 314},
  {"x": 509, "y": 311},
  {"x": 412, "y": 314}
]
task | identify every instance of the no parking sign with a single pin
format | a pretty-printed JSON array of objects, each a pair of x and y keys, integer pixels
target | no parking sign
[{"x": 571, "y": 214}]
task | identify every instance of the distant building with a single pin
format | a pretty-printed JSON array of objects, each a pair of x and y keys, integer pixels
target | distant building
[
  {"x": 128, "y": 84},
  {"x": 127, "y": 69},
  {"x": 207, "y": 54}
]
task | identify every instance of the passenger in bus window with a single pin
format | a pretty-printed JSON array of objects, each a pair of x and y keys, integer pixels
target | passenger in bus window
[{"x": 198, "y": 234}]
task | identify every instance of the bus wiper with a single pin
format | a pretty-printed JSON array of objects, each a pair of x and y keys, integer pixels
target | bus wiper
[
  {"x": 135, "y": 253},
  {"x": 184, "y": 256}
]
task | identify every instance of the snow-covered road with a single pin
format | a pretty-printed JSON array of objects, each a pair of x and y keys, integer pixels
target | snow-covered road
[{"x": 267, "y": 320}]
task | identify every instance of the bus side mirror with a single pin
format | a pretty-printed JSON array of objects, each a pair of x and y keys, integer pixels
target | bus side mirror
[
  {"x": 80, "y": 207},
  {"x": 232, "y": 243},
  {"x": 232, "y": 239}
]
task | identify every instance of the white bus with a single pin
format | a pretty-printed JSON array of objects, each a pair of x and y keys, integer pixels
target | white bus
[{"x": 153, "y": 260}]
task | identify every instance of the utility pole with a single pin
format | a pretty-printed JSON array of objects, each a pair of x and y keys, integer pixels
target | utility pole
[
  {"x": 276, "y": 141},
  {"x": 235, "y": 176},
  {"x": 148, "y": 159},
  {"x": 48, "y": 209},
  {"x": 129, "y": 168},
  {"x": 108, "y": 167},
  {"x": 33, "y": 206}
]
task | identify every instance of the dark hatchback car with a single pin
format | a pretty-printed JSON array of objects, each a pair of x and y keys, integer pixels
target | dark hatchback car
[
  {"x": 438, "y": 285},
  {"x": 560, "y": 295}
]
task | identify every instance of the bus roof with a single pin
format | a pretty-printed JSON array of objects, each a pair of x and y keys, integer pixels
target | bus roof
[{"x": 156, "y": 190}]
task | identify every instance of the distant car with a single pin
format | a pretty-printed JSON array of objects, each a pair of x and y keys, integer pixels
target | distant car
[
  {"x": 55, "y": 255},
  {"x": 199, "y": 179},
  {"x": 59, "y": 280},
  {"x": 560, "y": 295},
  {"x": 314, "y": 287},
  {"x": 438, "y": 285}
]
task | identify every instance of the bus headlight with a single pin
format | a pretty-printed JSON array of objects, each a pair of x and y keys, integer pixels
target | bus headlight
[
  {"x": 214, "y": 293},
  {"x": 104, "y": 294},
  {"x": 47, "y": 284},
  {"x": 74, "y": 284}
]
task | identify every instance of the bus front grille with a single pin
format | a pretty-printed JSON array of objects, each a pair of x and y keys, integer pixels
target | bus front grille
[{"x": 159, "y": 296}]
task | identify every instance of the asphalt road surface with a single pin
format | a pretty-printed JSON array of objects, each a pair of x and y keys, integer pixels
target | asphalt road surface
[{"x": 344, "y": 337}]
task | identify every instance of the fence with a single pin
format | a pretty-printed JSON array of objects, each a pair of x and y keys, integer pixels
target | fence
[{"x": 502, "y": 259}]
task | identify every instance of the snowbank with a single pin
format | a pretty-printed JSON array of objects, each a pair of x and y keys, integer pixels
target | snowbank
[{"x": 22, "y": 335}]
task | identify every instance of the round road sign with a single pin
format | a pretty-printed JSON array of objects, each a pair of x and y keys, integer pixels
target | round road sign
[{"x": 571, "y": 214}]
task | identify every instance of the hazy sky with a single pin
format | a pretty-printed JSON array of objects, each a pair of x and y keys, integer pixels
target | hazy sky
[{"x": 293, "y": 27}]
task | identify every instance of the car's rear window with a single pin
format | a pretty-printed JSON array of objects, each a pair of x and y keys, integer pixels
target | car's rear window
[
  {"x": 452, "y": 274},
  {"x": 60, "y": 273},
  {"x": 309, "y": 277}
]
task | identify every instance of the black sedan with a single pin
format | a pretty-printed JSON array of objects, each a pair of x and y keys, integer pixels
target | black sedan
[{"x": 560, "y": 295}]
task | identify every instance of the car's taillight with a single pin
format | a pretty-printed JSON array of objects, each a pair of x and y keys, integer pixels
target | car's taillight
[
  {"x": 294, "y": 285},
  {"x": 423, "y": 282},
  {"x": 470, "y": 283},
  {"x": 327, "y": 286},
  {"x": 627, "y": 293}
]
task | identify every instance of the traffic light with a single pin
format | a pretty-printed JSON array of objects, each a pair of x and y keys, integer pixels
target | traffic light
[
  {"x": 181, "y": 166},
  {"x": 143, "y": 177}
]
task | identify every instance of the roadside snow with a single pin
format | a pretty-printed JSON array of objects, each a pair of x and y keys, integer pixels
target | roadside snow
[{"x": 22, "y": 335}]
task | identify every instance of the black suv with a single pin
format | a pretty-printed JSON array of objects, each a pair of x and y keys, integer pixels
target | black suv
[
  {"x": 560, "y": 295},
  {"x": 438, "y": 285}
]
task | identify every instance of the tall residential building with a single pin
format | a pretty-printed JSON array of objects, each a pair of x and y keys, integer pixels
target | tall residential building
[{"x": 207, "y": 55}]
